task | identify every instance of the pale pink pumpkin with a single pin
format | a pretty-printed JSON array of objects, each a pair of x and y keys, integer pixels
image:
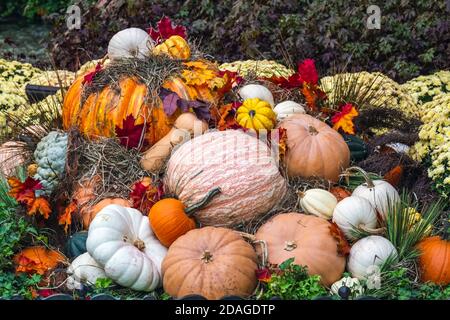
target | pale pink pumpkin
[
  {"x": 314, "y": 149},
  {"x": 239, "y": 164},
  {"x": 11, "y": 156},
  {"x": 308, "y": 240}
]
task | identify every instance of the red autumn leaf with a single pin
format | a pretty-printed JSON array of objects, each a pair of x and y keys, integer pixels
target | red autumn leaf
[
  {"x": 23, "y": 192},
  {"x": 144, "y": 195},
  {"x": 66, "y": 218},
  {"x": 131, "y": 134},
  {"x": 343, "y": 248},
  {"x": 165, "y": 30},
  {"x": 231, "y": 79},
  {"x": 308, "y": 72},
  {"x": 40, "y": 206},
  {"x": 44, "y": 293},
  {"x": 394, "y": 176},
  {"x": 89, "y": 77},
  {"x": 263, "y": 275}
]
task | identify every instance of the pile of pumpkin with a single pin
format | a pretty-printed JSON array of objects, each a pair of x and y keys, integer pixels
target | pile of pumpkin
[{"x": 216, "y": 182}]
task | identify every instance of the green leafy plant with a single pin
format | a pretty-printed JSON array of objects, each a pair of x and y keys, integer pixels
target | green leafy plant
[
  {"x": 398, "y": 284},
  {"x": 14, "y": 229},
  {"x": 292, "y": 282},
  {"x": 405, "y": 226},
  {"x": 12, "y": 284}
]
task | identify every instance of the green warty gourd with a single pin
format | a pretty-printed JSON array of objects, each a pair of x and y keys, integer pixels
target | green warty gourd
[{"x": 50, "y": 156}]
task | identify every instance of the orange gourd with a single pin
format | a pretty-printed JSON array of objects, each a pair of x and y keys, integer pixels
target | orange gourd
[
  {"x": 307, "y": 239},
  {"x": 212, "y": 262},
  {"x": 314, "y": 149},
  {"x": 434, "y": 260},
  {"x": 175, "y": 47},
  {"x": 170, "y": 219}
]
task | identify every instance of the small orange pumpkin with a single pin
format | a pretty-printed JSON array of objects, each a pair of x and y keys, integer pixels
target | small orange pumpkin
[
  {"x": 340, "y": 193},
  {"x": 88, "y": 213},
  {"x": 175, "y": 46},
  {"x": 434, "y": 260},
  {"x": 170, "y": 219}
]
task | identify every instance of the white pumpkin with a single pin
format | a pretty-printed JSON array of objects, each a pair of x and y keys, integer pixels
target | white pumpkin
[
  {"x": 355, "y": 286},
  {"x": 318, "y": 202},
  {"x": 368, "y": 254},
  {"x": 120, "y": 239},
  {"x": 287, "y": 108},
  {"x": 381, "y": 194},
  {"x": 250, "y": 91},
  {"x": 84, "y": 270},
  {"x": 128, "y": 43},
  {"x": 354, "y": 213}
]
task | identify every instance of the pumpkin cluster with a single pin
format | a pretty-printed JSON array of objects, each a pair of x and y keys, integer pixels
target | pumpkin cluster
[{"x": 169, "y": 174}]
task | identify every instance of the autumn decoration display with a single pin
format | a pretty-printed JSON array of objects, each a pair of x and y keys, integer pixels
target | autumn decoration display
[{"x": 158, "y": 172}]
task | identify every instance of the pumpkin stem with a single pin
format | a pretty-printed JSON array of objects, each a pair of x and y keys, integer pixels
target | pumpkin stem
[
  {"x": 366, "y": 177},
  {"x": 370, "y": 230},
  {"x": 207, "y": 256},
  {"x": 199, "y": 205},
  {"x": 290, "y": 245},
  {"x": 138, "y": 243},
  {"x": 312, "y": 131}
]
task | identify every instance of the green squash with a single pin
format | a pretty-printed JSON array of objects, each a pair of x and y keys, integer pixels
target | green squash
[
  {"x": 358, "y": 148},
  {"x": 76, "y": 244}
]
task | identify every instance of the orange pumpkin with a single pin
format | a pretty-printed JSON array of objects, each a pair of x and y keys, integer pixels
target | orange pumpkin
[
  {"x": 313, "y": 148},
  {"x": 84, "y": 191},
  {"x": 308, "y": 240},
  {"x": 212, "y": 262},
  {"x": 434, "y": 260},
  {"x": 102, "y": 112},
  {"x": 175, "y": 46},
  {"x": 170, "y": 219},
  {"x": 88, "y": 213},
  {"x": 340, "y": 193}
]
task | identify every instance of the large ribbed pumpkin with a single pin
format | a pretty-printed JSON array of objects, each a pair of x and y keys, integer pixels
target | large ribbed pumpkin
[
  {"x": 314, "y": 149},
  {"x": 212, "y": 262},
  {"x": 102, "y": 112},
  {"x": 239, "y": 164},
  {"x": 308, "y": 240}
]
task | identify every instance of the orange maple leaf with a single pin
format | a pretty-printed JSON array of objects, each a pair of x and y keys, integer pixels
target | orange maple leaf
[
  {"x": 37, "y": 260},
  {"x": 23, "y": 192},
  {"x": 40, "y": 205},
  {"x": 66, "y": 218},
  {"x": 227, "y": 118},
  {"x": 343, "y": 248},
  {"x": 344, "y": 119}
]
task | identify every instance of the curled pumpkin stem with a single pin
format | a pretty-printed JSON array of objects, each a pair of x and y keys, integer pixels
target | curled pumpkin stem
[
  {"x": 251, "y": 238},
  {"x": 371, "y": 230},
  {"x": 199, "y": 205},
  {"x": 365, "y": 175}
]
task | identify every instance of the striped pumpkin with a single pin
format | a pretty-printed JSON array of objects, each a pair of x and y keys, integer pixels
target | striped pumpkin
[
  {"x": 101, "y": 113},
  {"x": 176, "y": 47},
  {"x": 237, "y": 163}
]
